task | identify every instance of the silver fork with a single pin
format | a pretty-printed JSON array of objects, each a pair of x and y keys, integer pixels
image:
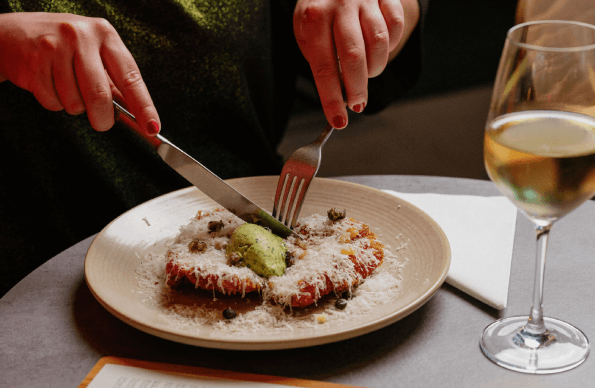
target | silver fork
[{"x": 298, "y": 171}]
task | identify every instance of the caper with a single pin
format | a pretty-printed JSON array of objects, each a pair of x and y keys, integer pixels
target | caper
[
  {"x": 215, "y": 226},
  {"x": 335, "y": 214},
  {"x": 289, "y": 259},
  {"x": 197, "y": 246},
  {"x": 229, "y": 313},
  {"x": 341, "y": 304},
  {"x": 234, "y": 258}
]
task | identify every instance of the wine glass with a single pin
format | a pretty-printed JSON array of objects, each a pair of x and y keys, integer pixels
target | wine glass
[{"x": 539, "y": 150}]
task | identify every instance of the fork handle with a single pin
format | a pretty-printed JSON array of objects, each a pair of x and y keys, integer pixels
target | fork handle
[{"x": 324, "y": 135}]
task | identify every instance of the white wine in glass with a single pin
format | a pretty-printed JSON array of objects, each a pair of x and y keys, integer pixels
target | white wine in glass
[
  {"x": 539, "y": 150},
  {"x": 543, "y": 160}
]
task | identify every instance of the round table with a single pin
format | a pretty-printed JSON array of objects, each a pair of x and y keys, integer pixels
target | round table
[{"x": 54, "y": 331}]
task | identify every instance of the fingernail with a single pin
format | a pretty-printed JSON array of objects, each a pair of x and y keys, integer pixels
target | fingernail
[
  {"x": 339, "y": 122},
  {"x": 358, "y": 108},
  {"x": 153, "y": 127}
]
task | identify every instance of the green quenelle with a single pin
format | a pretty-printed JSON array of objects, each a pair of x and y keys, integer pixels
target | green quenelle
[{"x": 260, "y": 250}]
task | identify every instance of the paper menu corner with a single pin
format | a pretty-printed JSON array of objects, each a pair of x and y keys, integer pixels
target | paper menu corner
[{"x": 113, "y": 372}]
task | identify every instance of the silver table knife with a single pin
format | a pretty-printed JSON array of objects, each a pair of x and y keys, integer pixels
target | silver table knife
[{"x": 206, "y": 181}]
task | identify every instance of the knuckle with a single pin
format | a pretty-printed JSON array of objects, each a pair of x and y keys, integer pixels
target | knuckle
[
  {"x": 324, "y": 69},
  {"x": 332, "y": 103},
  {"x": 313, "y": 13},
  {"x": 308, "y": 17},
  {"x": 99, "y": 95},
  {"x": 131, "y": 79},
  {"x": 353, "y": 55},
  {"x": 68, "y": 31},
  {"x": 395, "y": 24},
  {"x": 380, "y": 39},
  {"x": 332, "y": 99},
  {"x": 103, "y": 26}
]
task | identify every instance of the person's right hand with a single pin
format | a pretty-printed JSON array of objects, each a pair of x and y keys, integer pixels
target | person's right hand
[
  {"x": 364, "y": 35},
  {"x": 74, "y": 63}
]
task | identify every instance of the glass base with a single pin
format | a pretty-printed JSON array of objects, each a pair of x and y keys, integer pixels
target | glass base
[{"x": 562, "y": 347}]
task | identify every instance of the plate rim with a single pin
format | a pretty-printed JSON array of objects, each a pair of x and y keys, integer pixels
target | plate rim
[{"x": 247, "y": 344}]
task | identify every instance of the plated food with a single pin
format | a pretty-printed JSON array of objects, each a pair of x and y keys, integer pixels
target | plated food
[
  {"x": 129, "y": 256},
  {"x": 217, "y": 251}
]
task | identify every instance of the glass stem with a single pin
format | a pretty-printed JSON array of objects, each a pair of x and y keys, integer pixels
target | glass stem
[{"x": 535, "y": 325}]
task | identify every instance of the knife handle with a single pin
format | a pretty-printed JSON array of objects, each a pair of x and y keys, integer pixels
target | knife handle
[{"x": 128, "y": 119}]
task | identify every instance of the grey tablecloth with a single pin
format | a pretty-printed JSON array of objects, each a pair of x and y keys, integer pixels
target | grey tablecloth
[{"x": 52, "y": 331}]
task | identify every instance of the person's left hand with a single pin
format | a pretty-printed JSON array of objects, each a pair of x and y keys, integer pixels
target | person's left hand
[{"x": 360, "y": 33}]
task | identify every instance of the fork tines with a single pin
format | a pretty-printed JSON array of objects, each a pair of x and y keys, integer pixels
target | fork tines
[
  {"x": 290, "y": 195},
  {"x": 298, "y": 171}
]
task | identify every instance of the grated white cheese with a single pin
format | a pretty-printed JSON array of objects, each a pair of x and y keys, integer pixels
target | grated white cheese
[
  {"x": 212, "y": 262},
  {"x": 326, "y": 256},
  {"x": 320, "y": 255}
]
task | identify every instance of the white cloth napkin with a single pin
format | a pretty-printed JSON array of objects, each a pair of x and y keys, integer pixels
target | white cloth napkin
[{"x": 480, "y": 231}]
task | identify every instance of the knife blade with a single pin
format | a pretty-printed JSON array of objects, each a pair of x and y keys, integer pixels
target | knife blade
[{"x": 205, "y": 180}]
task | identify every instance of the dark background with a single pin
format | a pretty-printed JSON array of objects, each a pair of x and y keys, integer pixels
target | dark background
[{"x": 462, "y": 40}]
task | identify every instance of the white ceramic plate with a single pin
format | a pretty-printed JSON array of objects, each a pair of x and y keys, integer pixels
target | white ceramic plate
[{"x": 116, "y": 252}]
